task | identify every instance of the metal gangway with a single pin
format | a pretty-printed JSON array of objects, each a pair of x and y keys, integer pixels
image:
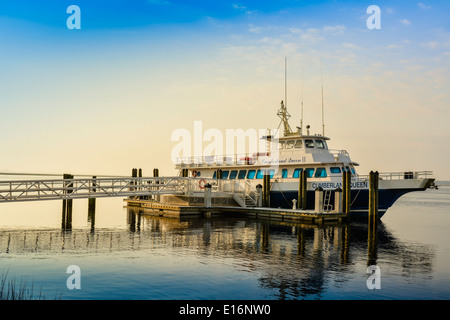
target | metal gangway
[
  {"x": 54, "y": 189},
  {"x": 93, "y": 187}
]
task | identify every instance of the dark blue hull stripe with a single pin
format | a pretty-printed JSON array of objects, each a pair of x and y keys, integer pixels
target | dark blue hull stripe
[{"x": 359, "y": 202}]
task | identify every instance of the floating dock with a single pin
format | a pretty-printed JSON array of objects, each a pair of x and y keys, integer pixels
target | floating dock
[{"x": 172, "y": 210}]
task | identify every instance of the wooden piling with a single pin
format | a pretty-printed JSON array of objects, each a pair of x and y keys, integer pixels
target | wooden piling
[
  {"x": 372, "y": 226},
  {"x": 91, "y": 201},
  {"x": 347, "y": 192},
  {"x": 300, "y": 190},
  {"x": 266, "y": 189},
  {"x": 373, "y": 195},
  {"x": 303, "y": 179},
  {"x": 67, "y": 204}
]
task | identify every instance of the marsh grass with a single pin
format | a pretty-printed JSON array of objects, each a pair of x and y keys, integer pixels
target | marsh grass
[{"x": 12, "y": 289}]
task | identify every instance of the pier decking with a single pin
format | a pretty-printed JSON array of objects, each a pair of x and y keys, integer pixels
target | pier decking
[{"x": 151, "y": 207}]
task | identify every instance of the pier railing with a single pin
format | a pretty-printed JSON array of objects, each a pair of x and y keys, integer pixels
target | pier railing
[
  {"x": 33, "y": 190},
  {"x": 29, "y": 190},
  {"x": 221, "y": 160},
  {"x": 401, "y": 175}
]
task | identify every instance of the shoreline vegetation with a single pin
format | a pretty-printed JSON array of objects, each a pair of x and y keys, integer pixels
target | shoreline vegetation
[{"x": 13, "y": 289}]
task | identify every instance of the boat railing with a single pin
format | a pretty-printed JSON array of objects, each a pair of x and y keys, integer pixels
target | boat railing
[
  {"x": 401, "y": 175},
  {"x": 221, "y": 160}
]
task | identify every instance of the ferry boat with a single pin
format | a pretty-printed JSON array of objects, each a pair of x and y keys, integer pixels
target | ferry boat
[{"x": 297, "y": 152}]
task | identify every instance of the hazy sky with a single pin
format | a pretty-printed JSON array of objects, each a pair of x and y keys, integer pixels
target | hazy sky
[{"x": 106, "y": 98}]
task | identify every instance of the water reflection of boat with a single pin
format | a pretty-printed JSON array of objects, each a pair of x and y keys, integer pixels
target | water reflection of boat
[{"x": 291, "y": 260}]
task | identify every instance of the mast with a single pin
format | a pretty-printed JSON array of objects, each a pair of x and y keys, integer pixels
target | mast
[
  {"x": 301, "y": 115},
  {"x": 323, "y": 122},
  {"x": 282, "y": 112},
  {"x": 285, "y": 81}
]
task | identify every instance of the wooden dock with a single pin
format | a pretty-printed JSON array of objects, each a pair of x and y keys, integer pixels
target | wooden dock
[{"x": 151, "y": 207}]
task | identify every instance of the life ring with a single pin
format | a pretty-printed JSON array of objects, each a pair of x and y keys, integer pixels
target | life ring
[
  {"x": 194, "y": 173},
  {"x": 202, "y": 183}
]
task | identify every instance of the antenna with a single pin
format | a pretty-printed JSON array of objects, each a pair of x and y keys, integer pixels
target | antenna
[
  {"x": 285, "y": 81},
  {"x": 301, "y": 115},
  {"x": 323, "y": 123}
]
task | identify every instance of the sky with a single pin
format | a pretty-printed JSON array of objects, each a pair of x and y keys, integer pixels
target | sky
[{"x": 106, "y": 98}]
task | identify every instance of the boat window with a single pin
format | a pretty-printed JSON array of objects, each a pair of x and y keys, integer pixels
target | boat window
[
  {"x": 296, "y": 173},
  {"x": 251, "y": 174},
  {"x": 233, "y": 174},
  {"x": 271, "y": 172},
  {"x": 319, "y": 144},
  {"x": 284, "y": 173},
  {"x": 281, "y": 145},
  {"x": 198, "y": 174},
  {"x": 225, "y": 174},
  {"x": 309, "y": 172},
  {"x": 241, "y": 174},
  {"x": 335, "y": 170},
  {"x": 215, "y": 174},
  {"x": 353, "y": 170},
  {"x": 298, "y": 144},
  {"x": 309, "y": 143},
  {"x": 321, "y": 173},
  {"x": 290, "y": 144},
  {"x": 259, "y": 174}
]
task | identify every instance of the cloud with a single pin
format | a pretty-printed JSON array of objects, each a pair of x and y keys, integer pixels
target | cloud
[
  {"x": 423, "y": 6},
  {"x": 334, "y": 30},
  {"x": 405, "y": 22},
  {"x": 349, "y": 45},
  {"x": 433, "y": 45},
  {"x": 238, "y": 6}
]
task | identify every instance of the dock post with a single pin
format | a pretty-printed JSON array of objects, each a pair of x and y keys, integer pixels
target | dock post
[
  {"x": 219, "y": 177},
  {"x": 347, "y": 192},
  {"x": 156, "y": 175},
  {"x": 207, "y": 199},
  {"x": 344, "y": 191},
  {"x": 91, "y": 204},
  {"x": 266, "y": 189},
  {"x": 338, "y": 200},
  {"x": 304, "y": 189},
  {"x": 259, "y": 192},
  {"x": 67, "y": 204},
  {"x": 318, "y": 208},
  {"x": 373, "y": 219},
  {"x": 133, "y": 175},
  {"x": 300, "y": 190},
  {"x": 91, "y": 201},
  {"x": 373, "y": 196}
]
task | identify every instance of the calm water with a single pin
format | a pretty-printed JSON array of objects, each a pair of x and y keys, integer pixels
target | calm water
[{"x": 123, "y": 254}]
